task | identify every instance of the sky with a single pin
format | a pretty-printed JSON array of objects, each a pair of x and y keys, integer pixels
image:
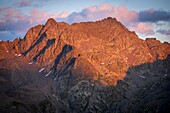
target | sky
[{"x": 148, "y": 18}]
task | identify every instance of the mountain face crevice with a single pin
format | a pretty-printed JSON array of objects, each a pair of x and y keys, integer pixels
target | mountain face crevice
[
  {"x": 36, "y": 43},
  {"x": 88, "y": 67},
  {"x": 49, "y": 43},
  {"x": 61, "y": 56}
]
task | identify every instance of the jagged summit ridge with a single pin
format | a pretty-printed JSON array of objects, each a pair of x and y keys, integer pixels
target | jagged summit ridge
[
  {"x": 51, "y": 21},
  {"x": 109, "y": 20}
]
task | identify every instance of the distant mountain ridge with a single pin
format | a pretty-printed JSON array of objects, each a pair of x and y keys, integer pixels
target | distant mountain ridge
[{"x": 87, "y": 54}]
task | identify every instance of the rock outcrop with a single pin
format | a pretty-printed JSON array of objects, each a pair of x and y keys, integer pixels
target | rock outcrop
[{"x": 84, "y": 67}]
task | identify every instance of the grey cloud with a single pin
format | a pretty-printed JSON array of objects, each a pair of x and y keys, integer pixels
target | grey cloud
[
  {"x": 163, "y": 31},
  {"x": 154, "y": 16}
]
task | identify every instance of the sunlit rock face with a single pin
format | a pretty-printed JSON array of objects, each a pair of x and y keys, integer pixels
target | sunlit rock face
[{"x": 84, "y": 67}]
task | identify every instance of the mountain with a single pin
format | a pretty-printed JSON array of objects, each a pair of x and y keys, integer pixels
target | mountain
[{"x": 89, "y": 67}]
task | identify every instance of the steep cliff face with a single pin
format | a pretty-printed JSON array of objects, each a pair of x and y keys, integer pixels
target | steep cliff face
[
  {"x": 157, "y": 49},
  {"x": 80, "y": 64}
]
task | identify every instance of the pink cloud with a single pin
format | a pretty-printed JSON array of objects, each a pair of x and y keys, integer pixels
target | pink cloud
[
  {"x": 142, "y": 28},
  {"x": 125, "y": 15},
  {"x": 38, "y": 16},
  {"x": 14, "y": 21},
  {"x": 63, "y": 15},
  {"x": 11, "y": 14},
  {"x": 2, "y": 10},
  {"x": 102, "y": 11}
]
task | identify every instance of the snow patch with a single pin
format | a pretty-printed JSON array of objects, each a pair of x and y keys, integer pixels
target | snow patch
[
  {"x": 48, "y": 73},
  {"x": 92, "y": 84},
  {"x": 30, "y": 62},
  {"x": 55, "y": 78},
  {"x": 149, "y": 54},
  {"x": 41, "y": 70},
  {"x": 19, "y": 55},
  {"x": 102, "y": 63},
  {"x": 142, "y": 76}
]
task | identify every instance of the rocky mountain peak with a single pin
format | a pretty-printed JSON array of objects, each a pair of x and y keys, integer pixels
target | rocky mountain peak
[
  {"x": 88, "y": 67},
  {"x": 107, "y": 45},
  {"x": 109, "y": 19},
  {"x": 51, "y": 21}
]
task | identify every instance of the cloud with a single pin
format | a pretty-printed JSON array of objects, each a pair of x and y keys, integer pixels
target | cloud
[
  {"x": 3, "y": 10},
  {"x": 63, "y": 15},
  {"x": 142, "y": 28},
  {"x": 16, "y": 23},
  {"x": 128, "y": 17},
  {"x": 11, "y": 19},
  {"x": 30, "y": 3},
  {"x": 152, "y": 15},
  {"x": 141, "y": 22},
  {"x": 23, "y": 3},
  {"x": 94, "y": 13},
  {"x": 13, "y": 25},
  {"x": 38, "y": 16},
  {"x": 163, "y": 31}
]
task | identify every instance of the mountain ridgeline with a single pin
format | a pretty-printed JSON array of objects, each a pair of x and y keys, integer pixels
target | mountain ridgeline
[{"x": 89, "y": 67}]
